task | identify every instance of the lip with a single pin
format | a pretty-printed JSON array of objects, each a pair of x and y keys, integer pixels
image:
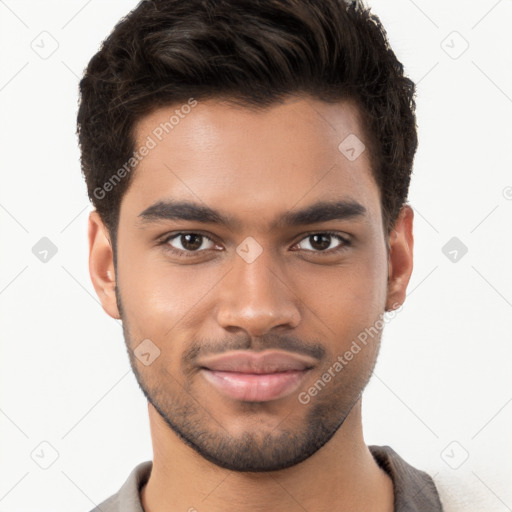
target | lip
[
  {"x": 246, "y": 361},
  {"x": 256, "y": 377}
]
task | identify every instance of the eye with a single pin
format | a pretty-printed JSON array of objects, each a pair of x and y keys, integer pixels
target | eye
[
  {"x": 192, "y": 244},
  {"x": 322, "y": 242},
  {"x": 183, "y": 243}
]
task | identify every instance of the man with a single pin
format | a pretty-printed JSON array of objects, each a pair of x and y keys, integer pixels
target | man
[{"x": 249, "y": 163}]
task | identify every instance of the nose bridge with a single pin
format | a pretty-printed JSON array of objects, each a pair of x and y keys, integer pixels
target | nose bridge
[{"x": 254, "y": 296}]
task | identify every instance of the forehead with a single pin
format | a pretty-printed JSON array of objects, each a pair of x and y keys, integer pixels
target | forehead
[{"x": 253, "y": 161}]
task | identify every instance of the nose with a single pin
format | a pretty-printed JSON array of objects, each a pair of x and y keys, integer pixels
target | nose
[{"x": 256, "y": 297}]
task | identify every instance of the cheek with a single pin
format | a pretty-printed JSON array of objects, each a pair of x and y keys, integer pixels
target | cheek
[
  {"x": 160, "y": 299},
  {"x": 350, "y": 297}
]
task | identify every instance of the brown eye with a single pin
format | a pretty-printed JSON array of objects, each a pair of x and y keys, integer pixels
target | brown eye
[
  {"x": 189, "y": 242},
  {"x": 321, "y": 242}
]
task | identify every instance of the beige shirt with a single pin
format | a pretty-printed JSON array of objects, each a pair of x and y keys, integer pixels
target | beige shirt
[{"x": 414, "y": 490}]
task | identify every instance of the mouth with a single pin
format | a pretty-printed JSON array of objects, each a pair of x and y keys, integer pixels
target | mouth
[{"x": 256, "y": 377}]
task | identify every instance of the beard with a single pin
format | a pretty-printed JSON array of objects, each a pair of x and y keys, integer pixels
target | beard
[{"x": 259, "y": 447}]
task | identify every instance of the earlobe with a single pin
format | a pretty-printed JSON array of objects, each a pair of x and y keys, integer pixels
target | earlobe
[
  {"x": 400, "y": 259},
  {"x": 101, "y": 265}
]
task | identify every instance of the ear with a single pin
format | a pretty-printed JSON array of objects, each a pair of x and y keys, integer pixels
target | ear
[
  {"x": 101, "y": 265},
  {"x": 400, "y": 259}
]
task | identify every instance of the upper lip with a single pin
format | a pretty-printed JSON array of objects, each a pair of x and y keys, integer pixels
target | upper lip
[{"x": 269, "y": 361}]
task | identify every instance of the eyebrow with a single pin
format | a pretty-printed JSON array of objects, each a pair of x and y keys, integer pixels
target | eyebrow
[{"x": 322, "y": 211}]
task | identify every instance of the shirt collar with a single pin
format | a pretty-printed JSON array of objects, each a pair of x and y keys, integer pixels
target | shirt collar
[{"x": 414, "y": 490}]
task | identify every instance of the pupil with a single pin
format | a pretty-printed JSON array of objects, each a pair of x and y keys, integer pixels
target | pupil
[
  {"x": 321, "y": 245},
  {"x": 191, "y": 245}
]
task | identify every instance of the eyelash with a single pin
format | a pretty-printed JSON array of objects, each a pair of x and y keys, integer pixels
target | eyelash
[{"x": 345, "y": 243}]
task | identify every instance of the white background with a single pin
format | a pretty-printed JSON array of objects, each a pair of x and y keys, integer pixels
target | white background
[{"x": 444, "y": 368}]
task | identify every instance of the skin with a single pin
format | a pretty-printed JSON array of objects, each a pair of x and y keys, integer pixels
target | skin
[{"x": 255, "y": 165}]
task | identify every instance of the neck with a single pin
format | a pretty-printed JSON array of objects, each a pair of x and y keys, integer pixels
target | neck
[{"x": 343, "y": 472}]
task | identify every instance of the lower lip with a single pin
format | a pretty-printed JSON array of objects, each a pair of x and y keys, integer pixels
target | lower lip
[{"x": 252, "y": 387}]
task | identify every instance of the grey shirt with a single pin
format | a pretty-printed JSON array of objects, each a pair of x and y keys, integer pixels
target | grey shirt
[{"x": 414, "y": 490}]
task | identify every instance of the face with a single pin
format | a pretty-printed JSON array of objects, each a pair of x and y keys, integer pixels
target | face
[{"x": 251, "y": 257}]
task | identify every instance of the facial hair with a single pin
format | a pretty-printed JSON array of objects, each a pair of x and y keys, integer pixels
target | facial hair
[{"x": 293, "y": 440}]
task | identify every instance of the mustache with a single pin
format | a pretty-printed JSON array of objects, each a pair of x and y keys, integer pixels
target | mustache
[{"x": 258, "y": 344}]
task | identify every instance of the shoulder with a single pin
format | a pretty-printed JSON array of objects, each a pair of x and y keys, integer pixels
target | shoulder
[
  {"x": 414, "y": 490},
  {"x": 109, "y": 505},
  {"x": 127, "y": 499},
  {"x": 460, "y": 490}
]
